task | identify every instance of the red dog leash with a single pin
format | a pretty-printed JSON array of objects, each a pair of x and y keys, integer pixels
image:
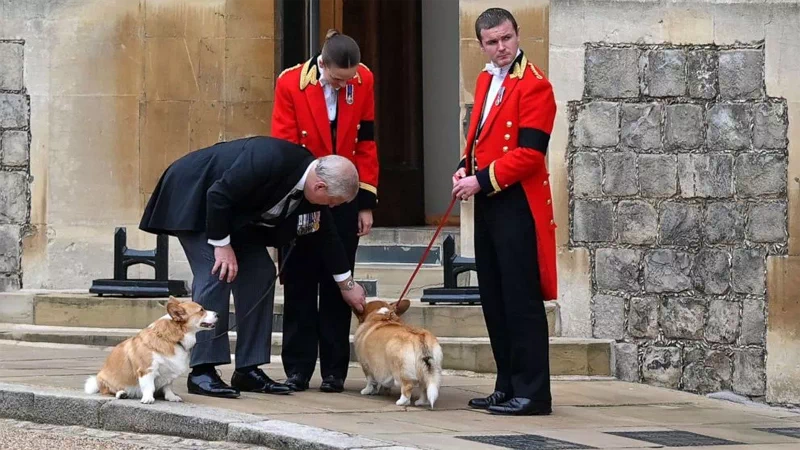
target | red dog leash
[{"x": 425, "y": 255}]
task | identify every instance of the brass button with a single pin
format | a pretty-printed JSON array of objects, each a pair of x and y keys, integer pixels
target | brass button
[
  {"x": 552, "y": 222},
  {"x": 545, "y": 182},
  {"x": 354, "y": 153},
  {"x": 358, "y": 127},
  {"x": 508, "y": 124},
  {"x": 304, "y": 145},
  {"x": 507, "y": 136},
  {"x": 549, "y": 201},
  {"x": 505, "y": 148},
  {"x": 304, "y": 133},
  {"x": 506, "y": 185},
  {"x": 356, "y": 139}
]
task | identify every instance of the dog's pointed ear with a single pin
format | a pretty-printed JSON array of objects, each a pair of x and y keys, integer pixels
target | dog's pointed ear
[
  {"x": 401, "y": 306},
  {"x": 175, "y": 311}
]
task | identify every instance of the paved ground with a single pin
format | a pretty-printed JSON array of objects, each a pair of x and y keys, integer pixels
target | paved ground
[
  {"x": 586, "y": 412},
  {"x": 17, "y": 435}
]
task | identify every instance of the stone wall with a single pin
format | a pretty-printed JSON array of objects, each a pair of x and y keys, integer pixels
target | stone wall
[
  {"x": 14, "y": 163},
  {"x": 677, "y": 169}
]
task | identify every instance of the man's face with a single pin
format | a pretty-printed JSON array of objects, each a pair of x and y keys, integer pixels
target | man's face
[
  {"x": 338, "y": 77},
  {"x": 500, "y": 43},
  {"x": 317, "y": 193}
]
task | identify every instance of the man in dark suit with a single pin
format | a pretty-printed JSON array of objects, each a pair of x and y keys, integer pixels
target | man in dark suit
[{"x": 226, "y": 204}]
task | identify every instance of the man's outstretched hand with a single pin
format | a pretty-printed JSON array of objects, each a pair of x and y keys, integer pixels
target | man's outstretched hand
[
  {"x": 353, "y": 294},
  {"x": 225, "y": 262}
]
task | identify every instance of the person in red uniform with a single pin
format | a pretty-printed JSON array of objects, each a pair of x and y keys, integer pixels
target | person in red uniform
[
  {"x": 326, "y": 105},
  {"x": 503, "y": 167}
]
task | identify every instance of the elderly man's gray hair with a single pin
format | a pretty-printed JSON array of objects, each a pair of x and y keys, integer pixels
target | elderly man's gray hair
[{"x": 339, "y": 174}]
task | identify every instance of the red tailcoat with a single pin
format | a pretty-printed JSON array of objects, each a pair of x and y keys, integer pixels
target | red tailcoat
[
  {"x": 300, "y": 115},
  {"x": 511, "y": 148}
]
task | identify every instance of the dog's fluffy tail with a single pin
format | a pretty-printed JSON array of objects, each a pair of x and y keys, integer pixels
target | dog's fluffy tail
[
  {"x": 432, "y": 357},
  {"x": 91, "y": 386}
]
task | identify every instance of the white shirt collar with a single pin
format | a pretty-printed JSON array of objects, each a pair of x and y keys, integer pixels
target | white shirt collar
[
  {"x": 301, "y": 184},
  {"x": 322, "y": 79},
  {"x": 500, "y": 71}
]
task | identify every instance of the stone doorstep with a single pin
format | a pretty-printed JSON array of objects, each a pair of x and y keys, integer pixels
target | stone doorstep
[
  {"x": 88, "y": 310},
  {"x": 67, "y": 407},
  {"x": 568, "y": 356}
]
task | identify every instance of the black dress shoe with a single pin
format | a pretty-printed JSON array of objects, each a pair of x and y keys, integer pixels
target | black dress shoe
[
  {"x": 297, "y": 382},
  {"x": 495, "y": 398},
  {"x": 519, "y": 406},
  {"x": 255, "y": 380},
  {"x": 210, "y": 384},
  {"x": 332, "y": 384}
]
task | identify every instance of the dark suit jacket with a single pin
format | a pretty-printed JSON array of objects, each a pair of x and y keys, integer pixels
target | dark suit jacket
[{"x": 224, "y": 189}]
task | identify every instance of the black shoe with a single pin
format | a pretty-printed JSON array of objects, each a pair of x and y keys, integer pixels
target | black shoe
[
  {"x": 519, "y": 406},
  {"x": 297, "y": 382},
  {"x": 332, "y": 384},
  {"x": 495, "y": 398},
  {"x": 255, "y": 380},
  {"x": 210, "y": 384}
]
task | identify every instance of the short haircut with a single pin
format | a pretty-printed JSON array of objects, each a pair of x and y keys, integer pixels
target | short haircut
[
  {"x": 340, "y": 51},
  {"x": 340, "y": 175},
  {"x": 493, "y": 17}
]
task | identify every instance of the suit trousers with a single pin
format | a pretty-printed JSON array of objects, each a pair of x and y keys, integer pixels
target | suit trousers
[
  {"x": 511, "y": 296},
  {"x": 256, "y": 273},
  {"x": 310, "y": 326}
]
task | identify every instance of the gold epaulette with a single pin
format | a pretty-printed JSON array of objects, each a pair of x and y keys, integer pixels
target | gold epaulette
[
  {"x": 518, "y": 71},
  {"x": 290, "y": 68},
  {"x": 308, "y": 76},
  {"x": 535, "y": 72}
]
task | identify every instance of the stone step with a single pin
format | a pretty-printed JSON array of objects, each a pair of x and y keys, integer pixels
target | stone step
[
  {"x": 88, "y": 310},
  {"x": 568, "y": 356}
]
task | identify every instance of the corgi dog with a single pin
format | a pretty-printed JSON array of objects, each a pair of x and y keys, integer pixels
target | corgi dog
[
  {"x": 149, "y": 362},
  {"x": 393, "y": 353}
]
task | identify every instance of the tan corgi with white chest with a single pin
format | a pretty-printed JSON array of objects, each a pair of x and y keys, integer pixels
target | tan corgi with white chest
[
  {"x": 149, "y": 362},
  {"x": 393, "y": 353}
]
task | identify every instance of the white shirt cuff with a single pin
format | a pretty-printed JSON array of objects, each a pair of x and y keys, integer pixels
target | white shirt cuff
[
  {"x": 341, "y": 277},
  {"x": 221, "y": 242}
]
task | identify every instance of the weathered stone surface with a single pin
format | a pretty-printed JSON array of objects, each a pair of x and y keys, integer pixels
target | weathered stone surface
[
  {"x": 612, "y": 72},
  {"x": 706, "y": 370},
  {"x": 683, "y": 129},
  {"x": 753, "y": 322},
  {"x": 702, "y": 73},
  {"x": 683, "y": 317},
  {"x": 723, "y": 321},
  {"x": 9, "y": 248},
  {"x": 587, "y": 175},
  {"x": 13, "y": 197},
  {"x": 705, "y": 176},
  {"x": 767, "y": 222},
  {"x": 14, "y": 147},
  {"x": 593, "y": 221},
  {"x": 295, "y": 436},
  {"x": 617, "y": 269},
  {"x": 760, "y": 174},
  {"x": 748, "y": 271},
  {"x": 667, "y": 270},
  {"x": 643, "y": 317},
  {"x": 658, "y": 175},
  {"x": 680, "y": 223},
  {"x": 749, "y": 372},
  {"x": 626, "y": 361},
  {"x": 741, "y": 74},
  {"x": 13, "y": 111},
  {"x": 638, "y": 222},
  {"x": 620, "y": 171},
  {"x": 729, "y": 127},
  {"x": 11, "y": 69},
  {"x": 641, "y": 126},
  {"x": 9, "y": 283},
  {"x": 662, "y": 366},
  {"x": 597, "y": 125},
  {"x": 712, "y": 271},
  {"x": 609, "y": 317},
  {"x": 665, "y": 74},
  {"x": 724, "y": 223},
  {"x": 771, "y": 125}
]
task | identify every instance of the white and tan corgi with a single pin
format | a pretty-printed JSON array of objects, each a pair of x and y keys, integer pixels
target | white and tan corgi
[
  {"x": 149, "y": 362},
  {"x": 393, "y": 353}
]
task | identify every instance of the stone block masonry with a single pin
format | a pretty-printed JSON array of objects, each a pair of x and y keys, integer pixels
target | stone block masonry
[
  {"x": 15, "y": 197},
  {"x": 677, "y": 165}
]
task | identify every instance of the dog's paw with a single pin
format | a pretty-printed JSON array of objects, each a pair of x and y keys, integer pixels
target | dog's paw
[
  {"x": 173, "y": 398},
  {"x": 121, "y": 394},
  {"x": 148, "y": 399},
  {"x": 369, "y": 390},
  {"x": 403, "y": 401}
]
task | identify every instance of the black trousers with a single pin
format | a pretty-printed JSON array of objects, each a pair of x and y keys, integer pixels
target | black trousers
[
  {"x": 310, "y": 326},
  {"x": 511, "y": 296}
]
